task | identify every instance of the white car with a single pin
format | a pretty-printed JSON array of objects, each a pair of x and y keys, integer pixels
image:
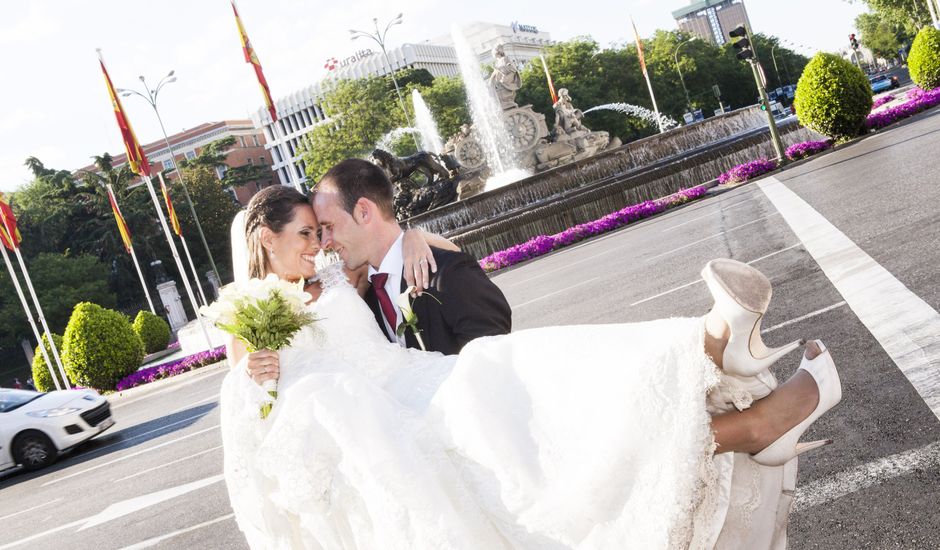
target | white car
[{"x": 35, "y": 427}]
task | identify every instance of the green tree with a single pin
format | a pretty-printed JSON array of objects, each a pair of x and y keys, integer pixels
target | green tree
[
  {"x": 909, "y": 14},
  {"x": 216, "y": 209},
  {"x": 447, "y": 100},
  {"x": 879, "y": 35}
]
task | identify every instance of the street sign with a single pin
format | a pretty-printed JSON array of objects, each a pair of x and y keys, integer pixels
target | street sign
[{"x": 716, "y": 90}]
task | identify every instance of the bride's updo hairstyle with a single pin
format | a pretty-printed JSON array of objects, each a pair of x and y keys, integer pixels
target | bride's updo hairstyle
[{"x": 272, "y": 207}]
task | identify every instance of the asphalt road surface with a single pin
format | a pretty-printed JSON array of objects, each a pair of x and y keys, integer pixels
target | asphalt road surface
[{"x": 850, "y": 242}]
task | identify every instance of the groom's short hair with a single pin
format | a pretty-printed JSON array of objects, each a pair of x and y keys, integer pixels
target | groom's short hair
[{"x": 355, "y": 179}]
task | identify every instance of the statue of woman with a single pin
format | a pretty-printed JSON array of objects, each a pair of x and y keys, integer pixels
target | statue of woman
[
  {"x": 505, "y": 78},
  {"x": 567, "y": 117}
]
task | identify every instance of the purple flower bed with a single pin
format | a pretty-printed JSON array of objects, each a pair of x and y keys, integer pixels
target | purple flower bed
[
  {"x": 543, "y": 244},
  {"x": 166, "y": 370},
  {"x": 747, "y": 171},
  {"x": 807, "y": 149},
  {"x": 881, "y": 100},
  {"x": 917, "y": 100}
]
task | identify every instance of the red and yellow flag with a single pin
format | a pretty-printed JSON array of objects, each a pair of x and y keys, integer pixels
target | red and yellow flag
[
  {"x": 174, "y": 221},
  {"x": 639, "y": 47},
  {"x": 119, "y": 218},
  {"x": 8, "y": 225},
  {"x": 548, "y": 77},
  {"x": 252, "y": 57},
  {"x": 136, "y": 158}
]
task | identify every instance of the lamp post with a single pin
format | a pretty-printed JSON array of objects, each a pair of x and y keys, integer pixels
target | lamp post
[
  {"x": 688, "y": 100},
  {"x": 379, "y": 38},
  {"x": 151, "y": 98}
]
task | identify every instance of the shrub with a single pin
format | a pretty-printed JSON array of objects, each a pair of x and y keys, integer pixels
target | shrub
[
  {"x": 166, "y": 370},
  {"x": 805, "y": 149},
  {"x": 747, "y": 171},
  {"x": 924, "y": 59},
  {"x": 100, "y": 347},
  {"x": 833, "y": 97},
  {"x": 154, "y": 332},
  {"x": 41, "y": 377}
]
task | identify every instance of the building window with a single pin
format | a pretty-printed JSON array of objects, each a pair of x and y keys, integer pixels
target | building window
[
  {"x": 168, "y": 164},
  {"x": 262, "y": 161},
  {"x": 220, "y": 171},
  {"x": 277, "y": 154},
  {"x": 254, "y": 140},
  {"x": 190, "y": 155},
  {"x": 241, "y": 140}
]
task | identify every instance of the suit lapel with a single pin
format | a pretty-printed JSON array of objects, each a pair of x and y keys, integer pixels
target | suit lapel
[
  {"x": 410, "y": 340},
  {"x": 373, "y": 301}
]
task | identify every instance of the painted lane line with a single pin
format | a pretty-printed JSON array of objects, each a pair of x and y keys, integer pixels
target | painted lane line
[
  {"x": 867, "y": 475},
  {"x": 715, "y": 236},
  {"x": 29, "y": 509},
  {"x": 178, "y": 460},
  {"x": 670, "y": 291},
  {"x": 212, "y": 397},
  {"x": 157, "y": 540},
  {"x": 125, "y": 457},
  {"x": 712, "y": 215},
  {"x": 804, "y": 317},
  {"x": 906, "y": 327},
  {"x": 42, "y": 534},
  {"x": 550, "y": 294},
  {"x": 148, "y": 432}
]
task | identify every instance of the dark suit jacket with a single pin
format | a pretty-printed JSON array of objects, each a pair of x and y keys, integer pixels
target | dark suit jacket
[{"x": 470, "y": 305}]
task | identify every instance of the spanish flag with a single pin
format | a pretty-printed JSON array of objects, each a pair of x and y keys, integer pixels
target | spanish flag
[
  {"x": 122, "y": 225},
  {"x": 252, "y": 57},
  {"x": 136, "y": 158},
  {"x": 174, "y": 221},
  {"x": 8, "y": 225},
  {"x": 639, "y": 48}
]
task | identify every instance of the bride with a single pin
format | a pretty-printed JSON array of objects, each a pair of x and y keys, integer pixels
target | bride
[{"x": 603, "y": 436}]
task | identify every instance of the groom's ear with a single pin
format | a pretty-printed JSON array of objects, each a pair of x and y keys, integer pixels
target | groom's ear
[{"x": 364, "y": 211}]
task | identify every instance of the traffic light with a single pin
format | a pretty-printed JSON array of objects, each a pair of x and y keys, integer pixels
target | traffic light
[
  {"x": 853, "y": 41},
  {"x": 742, "y": 44}
]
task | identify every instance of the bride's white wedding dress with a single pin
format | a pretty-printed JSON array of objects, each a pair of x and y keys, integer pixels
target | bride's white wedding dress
[{"x": 555, "y": 438}]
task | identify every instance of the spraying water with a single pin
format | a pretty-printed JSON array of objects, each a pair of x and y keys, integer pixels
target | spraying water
[
  {"x": 393, "y": 136},
  {"x": 637, "y": 111},
  {"x": 430, "y": 137}
]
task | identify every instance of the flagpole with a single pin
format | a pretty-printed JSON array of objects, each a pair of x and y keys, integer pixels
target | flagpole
[
  {"x": 193, "y": 268},
  {"x": 659, "y": 118},
  {"x": 140, "y": 273},
  {"x": 29, "y": 317},
  {"x": 176, "y": 255},
  {"x": 646, "y": 75}
]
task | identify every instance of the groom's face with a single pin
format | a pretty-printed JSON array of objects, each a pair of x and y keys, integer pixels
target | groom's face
[{"x": 341, "y": 232}]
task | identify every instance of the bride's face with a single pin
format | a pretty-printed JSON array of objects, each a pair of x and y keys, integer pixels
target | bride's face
[{"x": 291, "y": 252}]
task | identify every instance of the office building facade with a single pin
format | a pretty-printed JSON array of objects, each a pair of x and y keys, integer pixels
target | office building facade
[{"x": 712, "y": 19}]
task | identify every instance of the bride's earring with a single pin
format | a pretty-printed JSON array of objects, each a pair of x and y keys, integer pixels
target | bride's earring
[{"x": 271, "y": 254}]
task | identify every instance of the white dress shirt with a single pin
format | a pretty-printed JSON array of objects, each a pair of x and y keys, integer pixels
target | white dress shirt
[{"x": 393, "y": 264}]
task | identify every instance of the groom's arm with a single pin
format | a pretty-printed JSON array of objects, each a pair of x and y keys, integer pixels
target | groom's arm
[{"x": 471, "y": 305}]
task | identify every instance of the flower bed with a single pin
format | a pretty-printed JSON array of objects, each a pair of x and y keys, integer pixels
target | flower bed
[
  {"x": 807, "y": 149},
  {"x": 881, "y": 100},
  {"x": 917, "y": 100},
  {"x": 747, "y": 171},
  {"x": 166, "y": 370},
  {"x": 543, "y": 244}
]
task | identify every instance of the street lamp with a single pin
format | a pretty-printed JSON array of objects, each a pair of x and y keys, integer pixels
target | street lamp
[
  {"x": 151, "y": 98},
  {"x": 688, "y": 100},
  {"x": 379, "y": 38}
]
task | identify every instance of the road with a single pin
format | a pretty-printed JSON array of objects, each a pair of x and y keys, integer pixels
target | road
[{"x": 857, "y": 269}]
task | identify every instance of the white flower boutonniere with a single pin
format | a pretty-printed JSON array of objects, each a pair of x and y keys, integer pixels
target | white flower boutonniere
[{"x": 409, "y": 317}]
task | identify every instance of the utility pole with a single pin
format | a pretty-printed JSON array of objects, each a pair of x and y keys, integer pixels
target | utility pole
[{"x": 743, "y": 45}]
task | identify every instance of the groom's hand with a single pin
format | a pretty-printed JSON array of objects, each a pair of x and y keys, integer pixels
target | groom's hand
[{"x": 263, "y": 365}]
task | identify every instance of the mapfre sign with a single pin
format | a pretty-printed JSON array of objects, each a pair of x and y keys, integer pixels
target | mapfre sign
[{"x": 519, "y": 27}]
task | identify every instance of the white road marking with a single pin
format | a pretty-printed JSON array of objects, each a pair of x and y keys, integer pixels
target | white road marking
[
  {"x": 661, "y": 294},
  {"x": 712, "y": 215},
  {"x": 125, "y": 457},
  {"x": 148, "y": 470},
  {"x": 8, "y": 516},
  {"x": 550, "y": 294},
  {"x": 156, "y": 540},
  {"x": 906, "y": 327},
  {"x": 804, "y": 317},
  {"x": 867, "y": 475},
  {"x": 716, "y": 235},
  {"x": 197, "y": 403},
  {"x": 148, "y": 432},
  {"x": 42, "y": 534}
]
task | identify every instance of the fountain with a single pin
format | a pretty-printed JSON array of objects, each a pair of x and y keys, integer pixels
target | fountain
[
  {"x": 637, "y": 111},
  {"x": 390, "y": 138},
  {"x": 430, "y": 137}
]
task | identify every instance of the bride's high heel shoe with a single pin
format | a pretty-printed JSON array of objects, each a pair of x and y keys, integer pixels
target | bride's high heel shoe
[
  {"x": 742, "y": 295},
  {"x": 823, "y": 370}
]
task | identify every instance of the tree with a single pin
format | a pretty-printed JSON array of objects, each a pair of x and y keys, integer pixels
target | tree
[
  {"x": 214, "y": 156},
  {"x": 879, "y": 35},
  {"x": 216, "y": 209},
  {"x": 447, "y": 100},
  {"x": 908, "y": 14}
]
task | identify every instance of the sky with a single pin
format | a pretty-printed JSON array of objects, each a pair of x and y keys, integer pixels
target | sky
[{"x": 54, "y": 105}]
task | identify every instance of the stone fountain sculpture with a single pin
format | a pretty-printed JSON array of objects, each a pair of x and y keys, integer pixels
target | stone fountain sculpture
[{"x": 440, "y": 174}]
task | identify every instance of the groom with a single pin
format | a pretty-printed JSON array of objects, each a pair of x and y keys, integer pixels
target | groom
[{"x": 353, "y": 203}]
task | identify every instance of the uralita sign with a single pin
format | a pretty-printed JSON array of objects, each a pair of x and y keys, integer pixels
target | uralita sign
[{"x": 332, "y": 63}]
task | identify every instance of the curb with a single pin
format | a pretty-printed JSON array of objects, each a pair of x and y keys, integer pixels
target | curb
[{"x": 136, "y": 391}]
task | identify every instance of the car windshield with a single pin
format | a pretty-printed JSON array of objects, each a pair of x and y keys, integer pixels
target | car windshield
[
  {"x": 878, "y": 78},
  {"x": 13, "y": 399}
]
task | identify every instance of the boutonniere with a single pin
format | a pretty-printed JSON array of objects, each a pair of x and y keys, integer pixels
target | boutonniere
[{"x": 409, "y": 317}]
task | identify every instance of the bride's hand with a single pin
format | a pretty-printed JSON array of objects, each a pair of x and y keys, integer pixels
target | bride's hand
[
  {"x": 263, "y": 365},
  {"x": 418, "y": 260}
]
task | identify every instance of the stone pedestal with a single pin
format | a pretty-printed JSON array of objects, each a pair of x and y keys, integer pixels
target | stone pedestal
[
  {"x": 214, "y": 282},
  {"x": 172, "y": 305}
]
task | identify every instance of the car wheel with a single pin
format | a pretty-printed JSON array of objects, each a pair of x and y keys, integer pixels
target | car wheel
[{"x": 33, "y": 450}]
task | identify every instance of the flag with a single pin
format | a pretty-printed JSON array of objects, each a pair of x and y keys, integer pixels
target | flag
[
  {"x": 136, "y": 158},
  {"x": 548, "y": 76},
  {"x": 639, "y": 47},
  {"x": 8, "y": 225},
  {"x": 122, "y": 225},
  {"x": 252, "y": 57},
  {"x": 174, "y": 221}
]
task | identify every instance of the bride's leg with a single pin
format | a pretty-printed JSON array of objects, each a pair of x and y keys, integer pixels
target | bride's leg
[{"x": 752, "y": 430}]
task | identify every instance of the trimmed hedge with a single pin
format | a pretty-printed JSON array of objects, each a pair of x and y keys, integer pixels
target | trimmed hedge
[
  {"x": 41, "y": 377},
  {"x": 833, "y": 97},
  {"x": 924, "y": 58},
  {"x": 100, "y": 347},
  {"x": 154, "y": 332}
]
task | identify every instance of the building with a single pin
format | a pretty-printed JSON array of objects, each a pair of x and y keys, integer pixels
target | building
[
  {"x": 249, "y": 149},
  {"x": 712, "y": 19},
  {"x": 301, "y": 110}
]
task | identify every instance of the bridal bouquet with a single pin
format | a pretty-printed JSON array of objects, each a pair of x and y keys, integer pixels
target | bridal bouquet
[{"x": 264, "y": 314}]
